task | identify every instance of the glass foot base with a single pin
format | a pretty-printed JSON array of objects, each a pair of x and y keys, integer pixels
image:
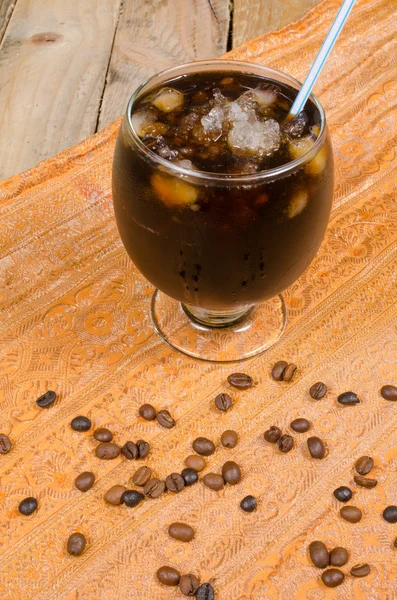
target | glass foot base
[{"x": 251, "y": 332}]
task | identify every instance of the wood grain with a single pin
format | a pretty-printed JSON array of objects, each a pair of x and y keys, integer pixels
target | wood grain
[
  {"x": 252, "y": 18},
  {"x": 155, "y": 34},
  {"x": 53, "y": 63},
  {"x": 6, "y": 8}
]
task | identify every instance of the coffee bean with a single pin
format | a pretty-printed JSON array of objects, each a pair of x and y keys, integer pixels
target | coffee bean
[
  {"x": 103, "y": 435},
  {"x": 364, "y": 465},
  {"x": 213, "y": 481},
  {"x": 231, "y": 472},
  {"x": 348, "y": 398},
  {"x": 114, "y": 495},
  {"x": 142, "y": 476},
  {"x": 181, "y": 532},
  {"x": 300, "y": 425},
  {"x": 131, "y": 498},
  {"x": 390, "y": 514},
  {"x": 107, "y": 450},
  {"x": 28, "y": 506},
  {"x": 285, "y": 443},
  {"x": 84, "y": 481},
  {"x": 143, "y": 448},
  {"x": 316, "y": 447},
  {"x": 366, "y": 482},
  {"x": 278, "y": 370},
  {"x": 289, "y": 372},
  {"x": 154, "y": 488},
  {"x": 395, "y": 543},
  {"x": 360, "y": 570},
  {"x": 203, "y": 446},
  {"x": 190, "y": 476},
  {"x": 168, "y": 576},
  {"x": 229, "y": 438},
  {"x": 240, "y": 381},
  {"x": 351, "y": 514},
  {"x": 389, "y": 392},
  {"x": 5, "y": 443},
  {"x": 195, "y": 462},
  {"x": 80, "y": 423},
  {"x": 343, "y": 493},
  {"x": 76, "y": 544},
  {"x": 205, "y": 592},
  {"x": 174, "y": 482},
  {"x": 248, "y": 504},
  {"x": 332, "y": 577},
  {"x": 188, "y": 584},
  {"x": 46, "y": 400},
  {"x": 223, "y": 402},
  {"x": 338, "y": 557},
  {"x": 273, "y": 434},
  {"x": 147, "y": 412},
  {"x": 130, "y": 450},
  {"x": 318, "y": 390},
  {"x": 319, "y": 554},
  {"x": 165, "y": 419}
]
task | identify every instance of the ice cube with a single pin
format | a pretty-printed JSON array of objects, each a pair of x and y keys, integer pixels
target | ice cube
[
  {"x": 140, "y": 119},
  {"x": 297, "y": 127},
  {"x": 317, "y": 165},
  {"x": 185, "y": 164},
  {"x": 297, "y": 203},
  {"x": 213, "y": 121},
  {"x": 173, "y": 191},
  {"x": 298, "y": 147},
  {"x": 265, "y": 96},
  {"x": 254, "y": 138},
  {"x": 160, "y": 146},
  {"x": 168, "y": 100}
]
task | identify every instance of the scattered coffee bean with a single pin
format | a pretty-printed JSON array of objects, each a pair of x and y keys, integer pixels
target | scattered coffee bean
[
  {"x": 165, "y": 419},
  {"x": 389, "y": 392},
  {"x": 278, "y": 370},
  {"x": 84, "y": 481},
  {"x": 205, "y": 592},
  {"x": 229, "y": 438},
  {"x": 213, "y": 481},
  {"x": 195, "y": 462},
  {"x": 300, "y": 425},
  {"x": 188, "y": 585},
  {"x": 248, "y": 504},
  {"x": 223, "y": 402},
  {"x": 395, "y": 543},
  {"x": 130, "y": 450},
  {"x": 289, "y": 372},
  {"x": 351, "y": 514},
  {"x": 348, "y": 398},
  {"x": 390, "y": 514},
  {"x": 360, "y": 570},
  {"x": 190, "y": 476},
  {"x": 103, "y": 435},
  {"x": 316, "y": 447},
  {"x": 364, "y": 465},
  {"x": 147, "y": 412},
  {"x": 338, "y": 557},
  {"x": 203, "y": 446},
  {"x": 80, "y": 423},
  {"x": 46, "y": 400},
  {"x": 5, "y": 443},
  {"x": 318, "y": 390},
  {"x": 132, "y": 498},
  {"x": 76, "y": 544},
  {"x": 154, "y": 488},
  {"x": 319, "y": 554},
  {"x": 107, "y": 450},
  {"x": 240, "y": 381},
  {"x": 142, "y": 476},
  {"x": 174, "y": 482},
  {"x": 332, "y": 577},
  {"x": 114, "y": 495},
  {"x": 343, "y": 493},
  {"x": 28, "y": 506},
  {"x": 273, "y": 434},
  {"x": 143, "y": 448},
  {"x": 181, "y": 532},
  {"x": 366, "y": 482},
  {"x": 285, "y": 443},
  {"x": 168, "y": 576},
  {"x": 231, "y": 472}
]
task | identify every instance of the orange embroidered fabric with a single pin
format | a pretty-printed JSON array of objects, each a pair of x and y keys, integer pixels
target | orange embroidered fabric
[{"x": 75, "y": 319}]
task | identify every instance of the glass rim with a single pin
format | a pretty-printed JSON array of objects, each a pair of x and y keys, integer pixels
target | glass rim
[{"x": 231, "y": 178}]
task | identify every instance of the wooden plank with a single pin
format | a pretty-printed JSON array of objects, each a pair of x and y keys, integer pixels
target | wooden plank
[
  {"x": 252, "y": 18},
  {"x": 6, "y": 8},
  {"x": 155, "y": 34},
  {"x": 53, "y": 62}
]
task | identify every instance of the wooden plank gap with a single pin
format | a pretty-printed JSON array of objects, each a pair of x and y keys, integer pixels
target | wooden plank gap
[{"x": 6, "y": 10}]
